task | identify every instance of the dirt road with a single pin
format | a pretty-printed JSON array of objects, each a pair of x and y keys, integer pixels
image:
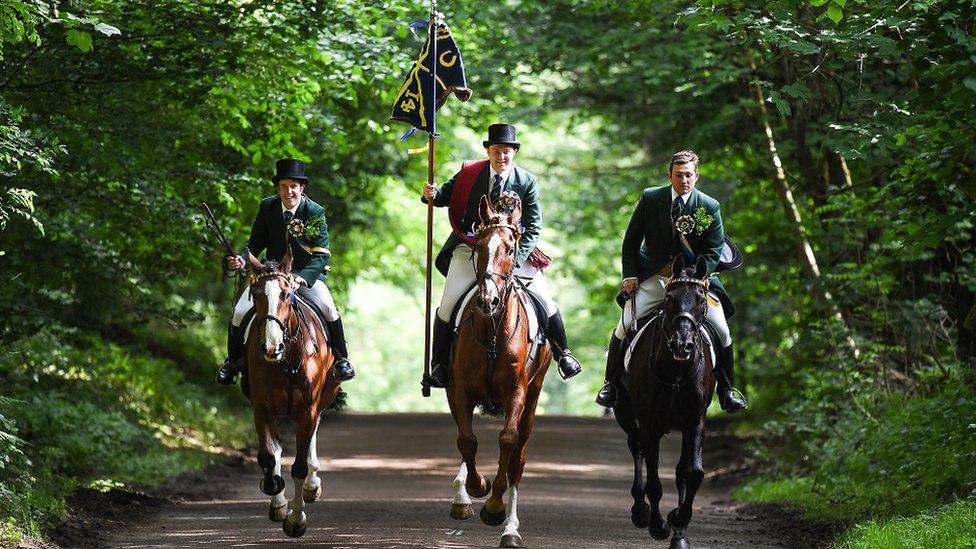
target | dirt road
[{"x": 387, "y": 482}]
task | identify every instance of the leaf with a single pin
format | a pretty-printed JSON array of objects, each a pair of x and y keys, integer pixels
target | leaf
[
  {"x": 835, "y": 13},
  {"x": 816, "y": 3},
  {"x": 80, "y": 39},
  {"x": 107, "y": 30},
  {"x": 799, "y": 90},
  {"x": 782, "y": 105}
]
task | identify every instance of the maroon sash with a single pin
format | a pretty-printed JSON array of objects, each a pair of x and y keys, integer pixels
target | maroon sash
[{"x": 463, "y": 184}]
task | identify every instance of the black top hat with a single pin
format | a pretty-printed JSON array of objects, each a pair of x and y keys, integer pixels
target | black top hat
[
  {"x": 502, "y": 134},
  {"x": 290, "y": 168},
  {"x": 731, "y": 257}
]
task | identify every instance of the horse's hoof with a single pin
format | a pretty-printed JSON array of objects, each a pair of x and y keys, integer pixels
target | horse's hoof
[
  {"x": 461, "y": 511},
  {"x": 641, "y": 516},
  {"x": 312, "y": 495},
  {"x": 661, "y": 530},
  {"x": 272, "y": 485},
  {"x": 679, "y": 543},
  {"x": 294, "y": 530},
  {"x": 278, "y": 514},
  {"x": 492, "y": 519},
  {"x": 480, "y": 494},
  {"x": 511, "y": 540}
]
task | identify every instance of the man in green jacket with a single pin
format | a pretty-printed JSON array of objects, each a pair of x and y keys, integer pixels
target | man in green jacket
[
  {"x": 289, "y": 212},
  {"x": 650, "y": 244},
  {"x": 498, "y": 175}
]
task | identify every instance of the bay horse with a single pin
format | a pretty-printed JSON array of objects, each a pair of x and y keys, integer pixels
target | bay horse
[
  {"x": 670, "y": 386},
  {"x": 491, "y": 367},
  {"x": 288, "y": 363}
]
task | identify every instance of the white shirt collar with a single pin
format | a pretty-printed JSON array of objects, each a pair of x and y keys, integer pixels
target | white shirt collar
[
  {"x": 684, "y": 197},
  {"x": 492, "y": 173}
]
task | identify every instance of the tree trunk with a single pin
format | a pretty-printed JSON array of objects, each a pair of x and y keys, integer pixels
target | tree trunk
[{"x": 807, "y": 258}]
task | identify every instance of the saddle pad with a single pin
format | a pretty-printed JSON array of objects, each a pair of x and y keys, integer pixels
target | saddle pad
[
  {"x": 633, "y": 344},
  {"x": 534, "y": 333}
]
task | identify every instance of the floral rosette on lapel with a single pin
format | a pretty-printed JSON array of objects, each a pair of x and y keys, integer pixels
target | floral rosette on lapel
[
  {"x": 301, "y": 230},
  {"x": 687, "y": 224}
]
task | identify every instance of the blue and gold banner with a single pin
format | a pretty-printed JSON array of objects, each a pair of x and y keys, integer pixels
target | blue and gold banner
[{"x": 414, "y": 104}]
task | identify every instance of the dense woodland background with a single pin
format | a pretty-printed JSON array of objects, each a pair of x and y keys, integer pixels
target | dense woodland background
[{"x": 838, "y": 136}]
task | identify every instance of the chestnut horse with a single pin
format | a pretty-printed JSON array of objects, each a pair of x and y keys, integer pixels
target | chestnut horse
[
  {"x": 288, "y": 364},
  {"x": 491, "y": 367},
  {"x": 669, "y": 387}
]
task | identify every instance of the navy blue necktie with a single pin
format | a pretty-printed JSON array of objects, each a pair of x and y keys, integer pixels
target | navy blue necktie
[
  {"x": 496, "y": 189},
  {"x": 676, "y": 208},
  {"x": 287, "y": 215}
]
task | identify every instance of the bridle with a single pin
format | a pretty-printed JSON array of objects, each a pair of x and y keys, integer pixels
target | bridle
[
  {"x": 695, "y": 322},
  {"x": 290, "y": 337},
  {"x": 489, "y": 273}
]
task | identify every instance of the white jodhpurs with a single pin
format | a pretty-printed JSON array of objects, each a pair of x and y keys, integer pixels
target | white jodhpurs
[
  {"x": 460, "y": 277},
  {"x": 244, "y": 304},
  {"x": 650, "y": 294}
]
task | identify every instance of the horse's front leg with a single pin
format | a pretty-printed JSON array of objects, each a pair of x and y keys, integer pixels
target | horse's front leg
[
  {"x": 657, "y": 527},
  {"x": 689, "y": 477},
  {"x": 306, "y": 424},
  {"x": 640, "y": 512},
  {"x": 269, "y": 458},
  {"x": 493, "y": 512},
  {"x": 475, "y": 484}
]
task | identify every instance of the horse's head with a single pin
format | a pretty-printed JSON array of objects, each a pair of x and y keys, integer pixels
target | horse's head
[
  {"x": 273, "y": 292},
  {"x": 685, "y": 305},
  {"x": 498, "y": 237}
]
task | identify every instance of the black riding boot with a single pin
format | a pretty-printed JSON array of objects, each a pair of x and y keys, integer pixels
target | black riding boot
[
  {"x": 727, "y": 397},
  {"x": 607, "y": 396},
  {"x": 440, "y": 360},
  {"x": 227, "y": 374},
  {"x": 568, "y": 365},
  {"x": 341, "y": 368}
]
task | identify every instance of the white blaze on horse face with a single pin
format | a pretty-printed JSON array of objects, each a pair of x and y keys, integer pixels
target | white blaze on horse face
[
  {"x": 273, "y": 336},
  {"x": 491, "y": 290}
]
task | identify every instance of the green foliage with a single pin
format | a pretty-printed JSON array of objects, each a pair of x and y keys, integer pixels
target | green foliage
[
  {"x": 948, "y": 527},
  {"x": 96, "y": 415},
  {"x": 911, "y": 455}
]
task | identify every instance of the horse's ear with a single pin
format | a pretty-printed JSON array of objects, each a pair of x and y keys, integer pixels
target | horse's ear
[
  {"x": 254, "y": 262},
  {"x": 701, "y": 270},
  {"x": 677, "y": 265},
  {"x": 285, "y": 264},
  {"x": 484, "y": 209}
]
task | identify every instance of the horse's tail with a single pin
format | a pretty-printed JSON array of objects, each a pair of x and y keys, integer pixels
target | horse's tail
[
  {"x": 492, "y": 409},
  {"x": 339, "y": 402}
]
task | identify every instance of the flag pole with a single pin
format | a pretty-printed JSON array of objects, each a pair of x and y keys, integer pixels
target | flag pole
[{"x": 431, "y": 158}]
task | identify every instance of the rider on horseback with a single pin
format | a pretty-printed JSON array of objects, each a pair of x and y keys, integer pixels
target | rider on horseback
[
  {"x": 290, "y": 211},
  {"x": 668, "y": 221},
  {"x": 454, "y": 259}
]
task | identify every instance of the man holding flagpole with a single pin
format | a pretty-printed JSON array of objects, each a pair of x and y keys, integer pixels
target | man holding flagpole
[{"x": 463, "y": 193}]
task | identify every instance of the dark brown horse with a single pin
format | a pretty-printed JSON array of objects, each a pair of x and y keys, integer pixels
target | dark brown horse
[
  {"x": 492, "y": 367},
  {"x": 669, "y": 387},
  {"x": 288, "y": 364}
]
